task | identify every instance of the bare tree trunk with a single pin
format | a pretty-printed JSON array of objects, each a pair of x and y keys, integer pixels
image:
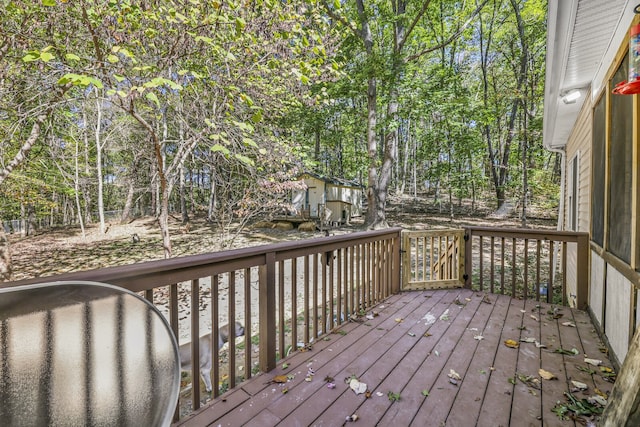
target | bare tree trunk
[
  {"x": 128, "y": 203},
  {"x": 77, "y": 191},
  {"x": 99, "y": 148}
]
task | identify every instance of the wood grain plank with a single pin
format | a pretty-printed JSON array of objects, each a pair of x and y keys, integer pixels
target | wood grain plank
[
  {"x": 466, "y": 407},
  {"x": 496, "y": 406}
]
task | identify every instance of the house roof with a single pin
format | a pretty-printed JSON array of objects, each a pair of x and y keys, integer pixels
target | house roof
[
  {"x": 583, "y": 37},
  {"x": 335, "y": 181}
]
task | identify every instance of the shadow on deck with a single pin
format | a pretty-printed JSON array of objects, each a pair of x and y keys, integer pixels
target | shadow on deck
[{"x": 407, "y": 356}]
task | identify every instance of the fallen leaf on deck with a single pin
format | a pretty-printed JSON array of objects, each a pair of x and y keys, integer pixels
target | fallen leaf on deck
[
  {"x": 425, "y": 393},
  {"x": 579, "y": 385},
  {"x": 331, "y": 385},
  {"x": 538, "y": 345},
  {"x": 572, "y": 352},
  {"x": 285, "y": 390},
  {"x": 511, "y": 344},
  {"x": 427, "y": 334},
  {"x": 478, "y": 337},
  {"x": 453, "y": 381},
  {"x": 453, "y": 374},
  {"x": 399, "y": 319},
  {"x": 486, "y": 299},
  {"x": 529, "y": 380},
  {"x": 468, "y": 299},
  {"x": 285, "y": 365},
  {"x": 534, "y": 318},
  {"x": 606, "y": 369},
  {"x": 523, "y": 311},
  {"x": 351, "y": 418},
  {"x": 411, "y": 334},
  {"x": 357, "y": 386},
  {"x": 569, "y": 324},
  {"x": 379, "y": 394},
  {"x": 393, "y": 397},
  {"x": 546, "y": 375},
  {"x": 445, "y": 316},
  {"x": 601, "y": 393},
  {"x": 594, "y": 362},
  {"x": 437, "y": 353},
  {"x": 280, "y": 379},
  {"x": 597, "y": 399},
  {"x": 528, "y": 339}
]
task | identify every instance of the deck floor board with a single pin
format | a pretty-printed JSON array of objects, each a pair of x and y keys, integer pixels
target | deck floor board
[{"x": 410, "y": 350}]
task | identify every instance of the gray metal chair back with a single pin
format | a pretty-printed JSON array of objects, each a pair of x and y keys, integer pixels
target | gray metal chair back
[{"x": 85, "y": 353}]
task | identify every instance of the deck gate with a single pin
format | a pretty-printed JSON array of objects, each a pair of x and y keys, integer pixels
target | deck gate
[{"x": 432, "y": 259}]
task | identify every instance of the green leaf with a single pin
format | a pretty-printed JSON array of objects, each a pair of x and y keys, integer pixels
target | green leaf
[
  {"x": 257, "y": 116},
  {"x": 30, "y": 57},
  {"x": 46, "y": 56},
  {"x": 72, "y": 57},
  {"x": 153, "y": 98},
  {"x": 244, "y": 159},
  {"x": 425, "y": 393},
  {"x": 249, "y": 142},
  {"x": 118, "y": 78},
  {"x": 49, "y": 3},
  {"x": 220, "y": 148},
  {"x": 336, "y": 4},
  {"x": 112, "y": 58}
]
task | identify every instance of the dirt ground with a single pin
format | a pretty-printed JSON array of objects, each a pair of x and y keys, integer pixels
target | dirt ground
[{"x": 65, "y": 249}]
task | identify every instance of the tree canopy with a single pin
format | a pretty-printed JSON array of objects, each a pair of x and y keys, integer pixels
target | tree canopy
[{"x": 159, "y": 107}]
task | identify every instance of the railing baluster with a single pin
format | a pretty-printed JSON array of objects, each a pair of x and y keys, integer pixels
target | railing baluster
[
  {"x": 551, "y": 268},
  {"x": 340, "y": 315},
  {"x": 247, "y": 323},
  {"x": 538, "y": 257},
  {"x": 281, "y": 309},
  {"x": 502, "y": 266},
  {"x": 315, "y": 295},
  {"x": 232, "y": 327},
  {"x": 331, "y": 293},
  {"x": 481, "y": 253},
  {"x": 306, "y": 300},
  {"x": 195, "y": 345},
  {"x": 513, "y": 267},
  {"x": 294, "y": 303},
  {"x": 215, "y": 334},
  {"x": 526, "y": 268},
  {"x": 564, "y": 273},
  {"x": 492, "y": 264}
]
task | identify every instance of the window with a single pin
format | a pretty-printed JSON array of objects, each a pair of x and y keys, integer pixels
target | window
[
  {"x": 598, "y": 155},
  {"x": 619, "y": 213}
]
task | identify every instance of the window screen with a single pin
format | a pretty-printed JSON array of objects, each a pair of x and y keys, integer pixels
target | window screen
[
  {"x": 620, "y": 170},
  {"x": 598, "y": 156}
]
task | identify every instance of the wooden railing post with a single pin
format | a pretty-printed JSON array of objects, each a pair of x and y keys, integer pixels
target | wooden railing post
[
  {"x": 467, "y": 258},
  {"x": 582, "y": 272},
  {"x": 267, "y": 313},
  {"x": 397, "y": 266}
]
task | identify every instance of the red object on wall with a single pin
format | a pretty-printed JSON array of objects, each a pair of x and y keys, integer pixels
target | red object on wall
[{"x": 633, "y": 84}]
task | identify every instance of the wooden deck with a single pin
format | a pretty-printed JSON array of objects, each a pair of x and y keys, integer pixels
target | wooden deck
[{"x": 409, "y": 350}]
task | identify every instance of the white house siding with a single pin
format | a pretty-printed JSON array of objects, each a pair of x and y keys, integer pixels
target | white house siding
[
  {"x": 596, "y": 290},
  {"x": 617, "y": 312},
  {"x": 579, "y": 144}
]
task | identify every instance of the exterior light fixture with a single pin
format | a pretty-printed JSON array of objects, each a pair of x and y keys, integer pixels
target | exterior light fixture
[{"x": 571, "y": 97}]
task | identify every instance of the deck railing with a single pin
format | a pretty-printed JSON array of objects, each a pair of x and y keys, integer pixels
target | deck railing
[
  {"x": 285, "y": 295},
  {"x": 528, "y": 263}
]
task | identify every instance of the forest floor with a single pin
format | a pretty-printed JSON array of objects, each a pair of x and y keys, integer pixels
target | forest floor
[{"x": 65, "y": 249}]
